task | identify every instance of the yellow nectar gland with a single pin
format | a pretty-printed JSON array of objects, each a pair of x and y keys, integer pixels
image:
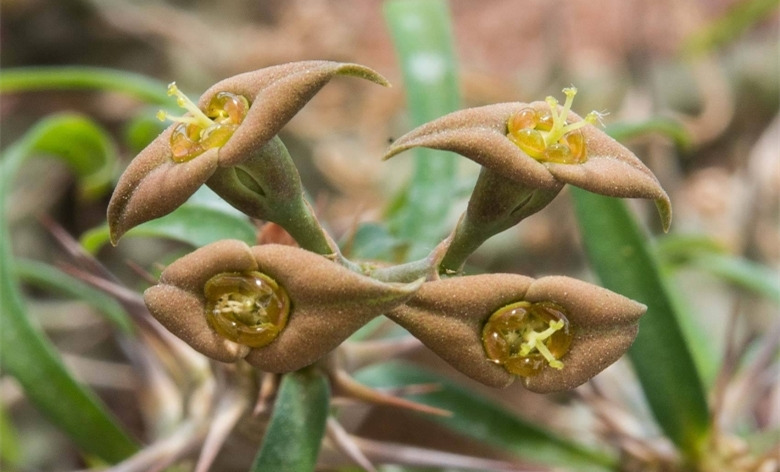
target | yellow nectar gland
[
  {"x": 525, "y": 337},
  {"x": 547, "y": 137},
  {"x": 249, "y": 308},
  {"x": 199, "y": 131}
]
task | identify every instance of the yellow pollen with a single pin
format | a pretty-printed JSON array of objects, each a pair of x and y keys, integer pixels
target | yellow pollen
[
  {"x": 197, "y": 131},
  {"x": 535, "y": 341},
  {"x": 547, "y": 137},
  {"x": 198, "y": 117},
  {"x": 527, "y": 337}
]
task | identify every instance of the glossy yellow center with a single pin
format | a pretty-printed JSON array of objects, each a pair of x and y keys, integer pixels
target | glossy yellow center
[
  {"x": 198, "y": 131},
  {"x": 547, "y": 136},
  {"x": 525, "y": 337},
  {"x": 249, "y": 308}
]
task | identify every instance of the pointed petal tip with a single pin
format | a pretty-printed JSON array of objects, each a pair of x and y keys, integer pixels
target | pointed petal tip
[
  {"x": 364, "y": 72},
  {"x": 664, "y": 206},
  {"x": 395, "y": 150},
  {"x": 115, "y": 234}
]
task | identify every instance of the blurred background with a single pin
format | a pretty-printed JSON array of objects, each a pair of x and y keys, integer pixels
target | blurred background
[{"x": 709, "y": 66}]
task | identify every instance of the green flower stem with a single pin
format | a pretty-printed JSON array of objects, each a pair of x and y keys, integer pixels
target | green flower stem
[
  {"x": 299, "y": 220},
  {"x": 267, "y": 186},
  {"x": 407, "y": 273},
  {"x": 496, "y": 205}
]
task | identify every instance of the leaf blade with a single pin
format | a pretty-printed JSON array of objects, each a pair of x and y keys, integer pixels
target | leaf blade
[
  {"x": 25, "y": 79},
  {"x": 292, "y": 441},
  {"x": 619, "y": 254},
  {"x": 30, "y": 358}
]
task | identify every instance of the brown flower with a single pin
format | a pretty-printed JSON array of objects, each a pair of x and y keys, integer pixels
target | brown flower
[
  {"x": 541, "y": 145},
  {"x": 235, "y": 119},
  {"x": 247, "y": 291},
  {"x": 557, "y": 331}
]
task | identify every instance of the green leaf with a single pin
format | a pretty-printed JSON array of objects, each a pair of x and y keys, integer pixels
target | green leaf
[
  {"x": 141, "y": 130},
  {"x": 704, "y": 253},
  {"x": 10, "y": 447},
  {"x": 423, "y": 39},
  {"x": 28, "y": 79},
  {"x": 29, "y": 357},
  {"x": 79, "y": 142},
  {"x": 619, "y": 254},
  {"x": 293, "y": 438},
  {"x": 479, "y": 418},
  {"x": 197, "y": 222},
  {"x": 669, "y": 127},
  {"x": 49, "y": 277},
  {"x": 372, "y": 241}
]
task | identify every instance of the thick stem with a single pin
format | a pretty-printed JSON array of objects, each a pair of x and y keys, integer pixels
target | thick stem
[
  {"x": 408, "y": 272},
  {"x": 267, "y": 186},
  {"x": 496, "y": 205},
  {"x": 298, "y": 219},
  {"x": 415, "y": 270}
]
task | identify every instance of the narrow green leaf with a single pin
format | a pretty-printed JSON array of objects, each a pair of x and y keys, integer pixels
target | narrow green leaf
[
  {"x": 669, "y": 127},
  {"x": 28, "y": 79},
  {"x": 705, "y": 254},
  {"x": 10, "y": 446},
  {"x": 479, "y": 418},
  {"x": 619, "y": 254},
  {"x": 81, "y": 144},
  {"x": 29, "y": 357},
  {"x": 423, "y": 39},
  {"x": 49, "y": 277},
  {"x": 742, "y": 273},
  {"x": 293, "y": 438},
  {"x": 198, "y": 222}
]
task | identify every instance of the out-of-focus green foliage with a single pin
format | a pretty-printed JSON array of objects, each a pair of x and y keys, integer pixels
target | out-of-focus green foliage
[{"x": 26, "y": 353}]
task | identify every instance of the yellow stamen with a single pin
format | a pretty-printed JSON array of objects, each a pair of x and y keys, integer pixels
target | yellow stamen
[
  {"x": 535, "y": 341},
  {"x": 198, "y": 117},
  {"x": 559, "y": 118}
]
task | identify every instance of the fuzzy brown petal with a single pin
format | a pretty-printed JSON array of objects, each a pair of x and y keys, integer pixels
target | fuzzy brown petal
[
  {"x": 276, "y": 94},
  {"x": 604, "y": 325},
  {"x": 329, "y": 303},
  {"x": 588, "y": 305},
  {"x": 448, "y": 317},
  {"x": 590, "y": 353},
  {"x": 192, "y": 271},
  {"x": 153, "y": 185},
  {"x": 183, "y": 314},
  {"x": 480, "y": 135},
  {"x": 178, "y": 301},
  {"x": 612, "y": 170}
]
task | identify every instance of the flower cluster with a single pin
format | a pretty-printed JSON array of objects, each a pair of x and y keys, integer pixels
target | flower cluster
[{"x": 281, "y": 308}]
